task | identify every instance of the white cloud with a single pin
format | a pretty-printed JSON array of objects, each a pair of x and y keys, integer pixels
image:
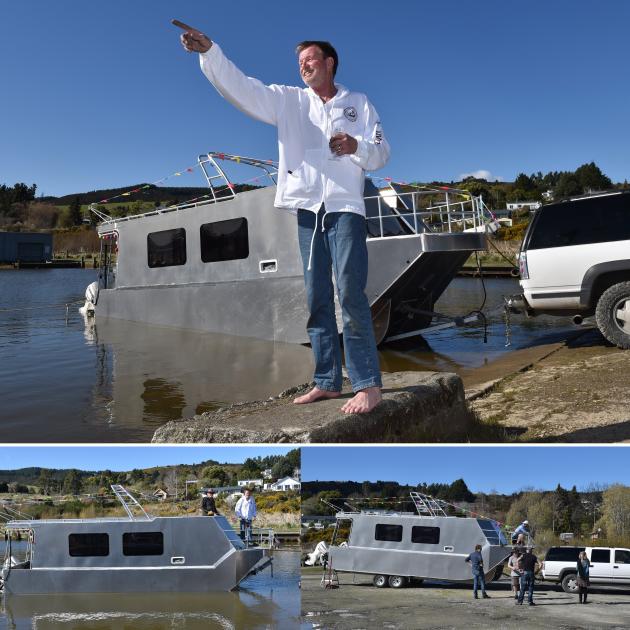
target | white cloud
[{"x": 481, "y": 174}]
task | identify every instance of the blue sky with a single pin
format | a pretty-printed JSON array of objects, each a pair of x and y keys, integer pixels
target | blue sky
[
  {"x": 126, "y": 457},
  {"x": 505, "y": 469},
  {"x": 100, "y": 94}
]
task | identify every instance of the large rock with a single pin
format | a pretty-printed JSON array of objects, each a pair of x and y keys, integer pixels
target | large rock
[{"x": 416, "y": 407}]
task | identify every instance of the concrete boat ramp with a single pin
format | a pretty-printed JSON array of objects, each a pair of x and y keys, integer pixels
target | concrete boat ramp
[{"x": 416, "y": 407}]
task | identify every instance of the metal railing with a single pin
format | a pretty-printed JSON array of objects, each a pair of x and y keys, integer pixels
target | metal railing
[{"x": 413, "y": 209}]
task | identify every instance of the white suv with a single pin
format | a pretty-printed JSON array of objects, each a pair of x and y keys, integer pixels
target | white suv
[
  {"x": 610, "y": 566},
  {"x": 575, "y": 261}
]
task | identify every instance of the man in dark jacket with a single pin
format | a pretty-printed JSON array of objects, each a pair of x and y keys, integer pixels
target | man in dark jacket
[
  {"x": 528, "y": 563},
  {"x": 208, "y": 505},
  {"x": 476, "y": 561}
]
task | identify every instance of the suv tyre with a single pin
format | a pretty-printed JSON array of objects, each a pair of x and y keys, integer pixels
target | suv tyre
[
  {"x": 569, "y": 583},
  {"x": 613, "y": 314}
]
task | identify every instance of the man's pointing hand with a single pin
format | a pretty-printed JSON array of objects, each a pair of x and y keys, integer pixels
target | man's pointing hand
[{"x": 193, "y": 40}]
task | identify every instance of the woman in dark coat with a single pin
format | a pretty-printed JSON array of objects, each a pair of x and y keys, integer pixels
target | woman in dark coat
[{"x": 583, "y": 566}]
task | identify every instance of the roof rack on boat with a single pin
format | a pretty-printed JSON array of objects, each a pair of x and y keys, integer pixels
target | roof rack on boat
[
  {"x": 130, "y": 504},
  {"x": 426, "y": 505}
]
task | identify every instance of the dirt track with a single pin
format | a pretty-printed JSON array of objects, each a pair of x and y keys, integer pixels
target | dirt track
[{"x": 361, "y": 605}]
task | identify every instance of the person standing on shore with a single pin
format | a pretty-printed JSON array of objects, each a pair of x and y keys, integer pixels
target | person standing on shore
[
  {"x": 328, "y": 137},
  {"x": 515, "y": 572},
  {"x": 529, "y": 565},
  {"x": 479, "y": 579},
  {"x": 583, "y": 566}
]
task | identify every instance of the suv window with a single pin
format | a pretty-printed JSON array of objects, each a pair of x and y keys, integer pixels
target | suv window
[
  {"x": 600, "y": 555},
  {"x": 563, "y": 554},
  {"x": 622, "y": 556},
  {"x": 595, "y": 220}
]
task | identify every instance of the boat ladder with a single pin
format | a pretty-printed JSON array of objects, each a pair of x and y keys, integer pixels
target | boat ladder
[
  {"x": 130, "y": 504},
  {"x": 427, "y": 505},
  {"x": 330, "y": 579}
]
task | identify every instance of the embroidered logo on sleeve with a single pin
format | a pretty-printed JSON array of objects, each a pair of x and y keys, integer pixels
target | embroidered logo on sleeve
[
  {"x": 350, "y": 113},
  {"x": 378, "y": 135}
]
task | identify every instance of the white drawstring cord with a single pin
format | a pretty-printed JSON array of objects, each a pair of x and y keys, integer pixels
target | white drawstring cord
[{"x": 310, "y": 254}]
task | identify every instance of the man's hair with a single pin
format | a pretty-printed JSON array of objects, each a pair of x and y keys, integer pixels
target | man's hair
[
  {"x": 477, "y": 547},
  {"x": 326, "y": 48}
]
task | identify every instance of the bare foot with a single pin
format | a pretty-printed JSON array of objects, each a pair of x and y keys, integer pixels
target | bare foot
[
  {"x": 363, "y": 401},
  {"x": 315, "y": 394}
]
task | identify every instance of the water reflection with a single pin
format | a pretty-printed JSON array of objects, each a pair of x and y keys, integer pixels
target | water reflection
[
  {"x": 262, "y": 601},
  {"x": 62, "y": 380}
]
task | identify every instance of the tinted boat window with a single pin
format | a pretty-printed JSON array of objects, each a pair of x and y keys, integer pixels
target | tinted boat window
[
  {"x": 82, "y": 545},
  {"x": 492, "y": 532},
  {"x": 224, "y": 240},
  {"x": 595, "y": 220},
  {"x": 167, "y": 248},
  {"x": 391, "y": 533},
  {"x": 143, "y": 544},
  {"x": 563, "y": 554},
  {"x": 600, "y": 555},
  {"x": 425, "y": 535}
]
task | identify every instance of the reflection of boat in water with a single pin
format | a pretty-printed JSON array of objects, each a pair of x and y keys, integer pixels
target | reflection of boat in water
[
  {"x": 139, "y": 553},
  {"x": 260, "y": 601},
  {"x": 397, "y": 546},
  {"x": 153, "y": 374},
  {"x": 231, "y": 263}
]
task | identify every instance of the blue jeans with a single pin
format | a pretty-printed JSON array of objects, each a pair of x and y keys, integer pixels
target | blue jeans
[
  {"x": 339, "y": 247},
  {"x": 479, "y": 581},
  {"x": 527, "y": 582}
]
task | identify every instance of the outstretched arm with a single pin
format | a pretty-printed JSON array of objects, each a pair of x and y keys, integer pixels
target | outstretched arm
[{"x": 251, "y": 96}]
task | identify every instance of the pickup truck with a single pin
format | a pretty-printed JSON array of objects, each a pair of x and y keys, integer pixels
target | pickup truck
[{"x": 610, "y": 566}]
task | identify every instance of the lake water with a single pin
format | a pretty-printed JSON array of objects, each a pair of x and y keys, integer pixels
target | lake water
[
  {"x": 261, "y": 601},
  {"x": 65, "y": 380}
]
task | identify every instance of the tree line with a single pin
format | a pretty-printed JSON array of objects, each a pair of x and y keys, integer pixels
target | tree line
[
  {"x": 172, "y": 479},
  {"x": 600, "y": 512}
]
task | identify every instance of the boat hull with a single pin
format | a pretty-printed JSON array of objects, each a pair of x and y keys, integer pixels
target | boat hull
[{"x": 224, "y": 576}]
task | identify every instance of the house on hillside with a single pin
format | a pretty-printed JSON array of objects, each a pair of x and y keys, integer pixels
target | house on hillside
[
  {"x": 284, "y": 484},
  {"x": 160, "y": 494}
]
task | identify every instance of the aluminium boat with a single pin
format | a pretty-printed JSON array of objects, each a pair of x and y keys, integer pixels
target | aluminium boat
[
  {"x": 229, "y": 263},
  {"x": 396, "y": 547},
  {"x": 137, "y": 553}
]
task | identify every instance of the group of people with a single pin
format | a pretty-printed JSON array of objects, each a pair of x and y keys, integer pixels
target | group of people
[
  {"x": 245, "y": 511},
  {"x": 523, "y": 565}
]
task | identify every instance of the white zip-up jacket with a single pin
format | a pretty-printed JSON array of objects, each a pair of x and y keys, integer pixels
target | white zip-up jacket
[
  {"x": 246, "y": 509},
  {"x": 307, "y": 177}
]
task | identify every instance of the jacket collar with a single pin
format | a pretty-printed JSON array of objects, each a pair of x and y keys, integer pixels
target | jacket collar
[{"x": 341, "y": 92}]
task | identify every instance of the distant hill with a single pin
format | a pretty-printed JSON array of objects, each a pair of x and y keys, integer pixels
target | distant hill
[{"x": 160, "y": 194}]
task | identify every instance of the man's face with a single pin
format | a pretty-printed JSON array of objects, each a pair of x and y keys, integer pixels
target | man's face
[
  {"x": 247, "y": 493},
  {"x": 315, "y": 71}
]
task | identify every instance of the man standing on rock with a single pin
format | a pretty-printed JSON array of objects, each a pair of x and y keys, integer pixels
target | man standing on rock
[{"x": 328, "y": 137}]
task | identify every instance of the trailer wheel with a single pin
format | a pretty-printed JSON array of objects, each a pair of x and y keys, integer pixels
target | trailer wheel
[
  {"x": 613, "y": 314},
  {"x": 380, "y": 581},
  {"x": 397, "y": 581},
  {"x": 569, "y": 583}
]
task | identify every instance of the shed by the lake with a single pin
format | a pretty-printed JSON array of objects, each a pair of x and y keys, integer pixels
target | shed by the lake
[{"x": 25, "y": 247}]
